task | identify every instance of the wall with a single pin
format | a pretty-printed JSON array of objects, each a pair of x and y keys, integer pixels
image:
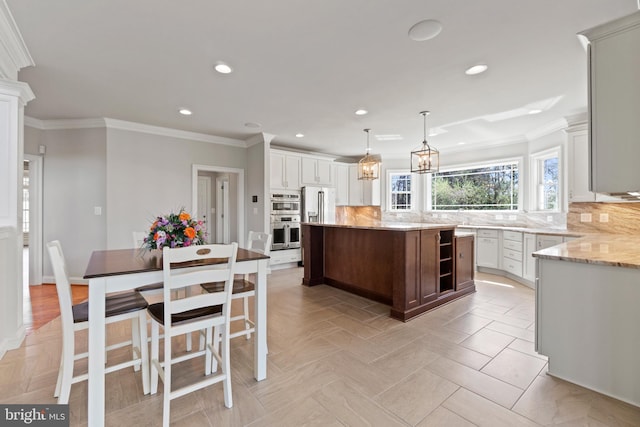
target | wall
[
  {"x": 622, "y": 218},
  {"x": 149, "y": 175},
  {"x": 258, "y": 183}
]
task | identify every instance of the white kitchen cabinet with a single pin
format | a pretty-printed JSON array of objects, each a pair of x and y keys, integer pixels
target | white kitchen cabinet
[
  {"x": 487, "y": 248},
  {"x": 614, "y": 104},
  {"x": 529, "y": 262},
  {"x": 285, "y": 171},
  {"x": 512, "y": 252},
  {"x": 342, "y": 184},
  {"x": 317, "y": 171},
  {"x": 363, "y": 192},
  {"x": 578, "y": 164}
]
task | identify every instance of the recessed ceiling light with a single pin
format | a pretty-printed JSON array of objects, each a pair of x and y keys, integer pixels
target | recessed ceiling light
[
  {"x": 536, "y": 111},
  {"x": 476, "y": 69},
  {"x": 223, "y": 68},
  {"x": 299, "y": 135},
  {"x": 361, "y": 112},
  {"x": 185, "y": 112},
  {"x": 252, "y": 125},
  {"x": 389, "y": 137},
  {"x": 461, "y": 143},
  {"x": 425, "y": 30}
]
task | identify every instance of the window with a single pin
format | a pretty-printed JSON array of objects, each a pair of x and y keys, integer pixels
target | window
[
  {"x": 545, "y": 176},
  {"x": 400, "y": 191},
  {"x": 485, "y": 187}
]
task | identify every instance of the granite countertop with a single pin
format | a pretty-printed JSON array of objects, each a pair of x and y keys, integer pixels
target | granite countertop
[
  {"x": 605, "y": 249},
  {"x": 547, "y": 231},
  {"x": 382, "y": 225}
]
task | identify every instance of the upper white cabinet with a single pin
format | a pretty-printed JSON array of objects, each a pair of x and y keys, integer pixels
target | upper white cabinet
[
  {"x": 578, "y": 168},
  {"x": 614, "y": 104},
  {"x": 317, "y": 171},
  {"x": 285, "y": 171},
  {"x": 363, "y": 192},
  {"x": 342, "y": 184}
]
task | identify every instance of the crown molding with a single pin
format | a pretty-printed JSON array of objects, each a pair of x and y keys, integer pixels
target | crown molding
[
  {"x": 577, "y": 119},
  {"x": 14, "y": 54},
  {"x": 17, "y": 89},
  {"x": 63, "y": 124},
  {"x": 549, "y": 128},
  {"x": 173, "y": 133}
]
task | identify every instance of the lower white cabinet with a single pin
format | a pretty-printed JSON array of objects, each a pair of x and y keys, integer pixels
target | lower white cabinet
[
  {"x": 529, "y": 262},
  {"x": 285, "y": 256},
  {"x": 546, "y": 241},
  {"x": 512, "y": 252},
  {"x": 487, "y": 248}
]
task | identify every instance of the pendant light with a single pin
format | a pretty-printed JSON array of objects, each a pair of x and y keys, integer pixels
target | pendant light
[
  {"x": 369, "y": 165},
  {"x": 425, "y": 159}
]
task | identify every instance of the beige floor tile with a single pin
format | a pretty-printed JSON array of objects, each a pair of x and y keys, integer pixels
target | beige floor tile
[
  {"x": 483, "y": 412},
  {"x": 442, "y": 417},
  {"x": 468, "y": 323},
  {"x": 485, "y": 385},
  {"x": 305, "y": 412},
  {"x": 455, "y": 352},
  {"x": 352, "y": 408},
  {"x": 515, "y": 368},
  {"x": 525, "y": 334},
  {"x": 197, "y": 419},
  {"x": 487, "y": 342},
  {"x": 504, "y": 318},
  {"x": 356, "y": 313},
  {"x": 362, "y": 349},
  {"x": 551, "y": 401},
  {"x": 299, "y": 355},
  {"x": 357, "y": 328},
  {"x": 416, "y": 396},
  {"x": 526, "y": 347},
  {"x": 393, "y": 339},
  {"x": 405, "y": 360}
]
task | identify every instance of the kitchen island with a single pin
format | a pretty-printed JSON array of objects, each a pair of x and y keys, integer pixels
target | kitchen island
[
  {"x": 587, "y": 313},
  {"x": 411, "y": 267}
]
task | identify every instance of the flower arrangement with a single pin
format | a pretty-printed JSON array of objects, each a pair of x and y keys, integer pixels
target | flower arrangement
[{"x": 175, "y": 230}]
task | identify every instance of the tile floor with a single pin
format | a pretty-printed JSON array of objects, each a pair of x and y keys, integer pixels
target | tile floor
[{"x": 338, "y": 359}]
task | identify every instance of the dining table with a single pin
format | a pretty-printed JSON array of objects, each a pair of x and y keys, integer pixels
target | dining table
[{"x": 119, "y": 270}]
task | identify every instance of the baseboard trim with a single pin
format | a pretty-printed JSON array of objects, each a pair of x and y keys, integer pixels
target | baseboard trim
[{"x": 12, "y": 343}]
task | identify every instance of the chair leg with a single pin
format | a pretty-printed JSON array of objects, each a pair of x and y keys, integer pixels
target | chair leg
[
  {"x": 135, "y": 341},
  {"x": 67, "y": 373},
  {"x": 207, "y": 353},
  {"x": 226, "y": 368},
  {"x": 56, "y": 393},
  {"x": 144, "y": 349},
  {"x": 166, "y": 398},
  {"x": 216, "y": 347},
  {"x": 247, "y": 325},
  {"x": 155, "y": 350}
]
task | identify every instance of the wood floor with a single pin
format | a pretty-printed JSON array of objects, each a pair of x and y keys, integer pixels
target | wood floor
[
  {"x": 43, "y": 304},
  {"x": 336, "y": 359}
]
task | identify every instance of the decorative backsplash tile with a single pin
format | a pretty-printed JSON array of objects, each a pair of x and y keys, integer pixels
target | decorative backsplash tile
[
  {"x": 615, "y": 218},
  {"x": 358, "y": 214}
]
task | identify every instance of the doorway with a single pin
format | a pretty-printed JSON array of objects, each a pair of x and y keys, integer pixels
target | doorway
[
  {"x": 32, "y": 217},
  {"x": 223, "y": 206}
]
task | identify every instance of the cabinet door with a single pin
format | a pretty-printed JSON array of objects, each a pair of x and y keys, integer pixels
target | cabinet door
[
  {"x": 324, "y": 172},
  {"x": 487, "y": 252},
  {"x": 342, "y": 184},
  {"x": 529, "y": 264},
  {"x": 371, "y": 192},
  {"x": 464, "y": 262},
  {"x": 355, "y": 187},
  {"x": 309, "y": 174},
  {"x": 429, "y": 265},
  {"x": 547, "y": 241},
  {"x": 292, "y": 172},
  {"x": 277, "y": 170},
  {"x": 578, "y": 141}
]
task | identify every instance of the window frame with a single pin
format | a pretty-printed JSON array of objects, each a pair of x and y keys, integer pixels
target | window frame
[
  {"x": 389, "y": 192},
  {"x": 475, "y": 165},
  {"x": 536, "y": 163}
]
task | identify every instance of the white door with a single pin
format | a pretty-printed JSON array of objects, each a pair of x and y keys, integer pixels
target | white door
[
  {"x": 204, "y": 205},
  {"x": 222, "y": 210}
]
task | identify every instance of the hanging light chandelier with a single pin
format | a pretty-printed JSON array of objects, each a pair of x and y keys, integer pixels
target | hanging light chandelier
[
  {"x": 425, "y": 159},
  {"x": 369, "y": 165}
]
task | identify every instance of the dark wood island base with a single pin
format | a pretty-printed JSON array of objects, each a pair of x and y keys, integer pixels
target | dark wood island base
[{"x": 411, "y": 267}]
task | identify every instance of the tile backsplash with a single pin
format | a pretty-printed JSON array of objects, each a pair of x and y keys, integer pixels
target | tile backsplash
[{"x": 615, "y": 218}]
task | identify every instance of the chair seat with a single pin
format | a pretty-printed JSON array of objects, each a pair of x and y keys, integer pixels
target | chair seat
[
  {"x": 151, "y": 287},
  {"x": 240, "y": 286},
  {"x": 156, "y": 311},
  {"x": 114, "y": 305}
]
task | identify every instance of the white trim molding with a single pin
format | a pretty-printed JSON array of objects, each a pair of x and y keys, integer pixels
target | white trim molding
[{"x": 14, "y": 54}]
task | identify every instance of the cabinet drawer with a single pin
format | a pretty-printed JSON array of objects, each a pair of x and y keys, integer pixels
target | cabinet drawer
[
  {"x": 511, "y": 266},
  {"x": 510, "y": 244},
  {"x": 512, "y": 235},
  {"x": 488, "y": 233},
  {"x": 514, "y": 255}
]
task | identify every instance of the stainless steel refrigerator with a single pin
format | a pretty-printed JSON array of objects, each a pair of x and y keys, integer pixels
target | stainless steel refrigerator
[{"x": 318, "y": 204}]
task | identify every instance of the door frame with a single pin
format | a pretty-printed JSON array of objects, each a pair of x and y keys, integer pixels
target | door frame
[
  {"x": 222, "y": 215},
  {"x": 240, "y": 192},
  {"x": 35, "y": 218},
  {"x": 205, "y": 181}
]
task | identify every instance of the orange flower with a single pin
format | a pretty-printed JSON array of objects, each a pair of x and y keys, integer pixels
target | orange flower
[
  {"x": 184, "y": 216},
  {"x": 153, "y": 225},
  {"x": 155, "y": 236},
  {"x": 190, "y": 232}
]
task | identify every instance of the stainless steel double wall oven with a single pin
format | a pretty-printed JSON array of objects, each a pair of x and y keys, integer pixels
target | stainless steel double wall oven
[{"x": 285, "y": 220}]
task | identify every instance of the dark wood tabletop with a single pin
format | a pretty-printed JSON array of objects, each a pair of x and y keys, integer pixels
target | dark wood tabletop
[{"x": 130, "y": 261}]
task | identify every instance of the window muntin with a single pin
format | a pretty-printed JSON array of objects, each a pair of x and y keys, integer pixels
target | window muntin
[
  {"x": 484, "y": 187},
  {"x": 545, "y": 167},
  {"x": 400, "y": 191}
]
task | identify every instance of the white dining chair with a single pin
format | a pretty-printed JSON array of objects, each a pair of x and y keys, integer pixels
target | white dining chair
[
  {"x": 243, "y": 287},
  {"x": 204, "y": 311},
  {"x": 129, "y": 306}
]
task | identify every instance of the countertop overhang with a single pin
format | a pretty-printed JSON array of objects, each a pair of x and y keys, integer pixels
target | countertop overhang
[
  {"x": 381, "y": 225},
  {"x": 604, "y": 249}
]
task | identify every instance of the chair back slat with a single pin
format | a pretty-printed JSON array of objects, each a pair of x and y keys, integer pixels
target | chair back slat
[
  {"x": 259, "y": 242},
  {"x": 63, "y": 286},
  {"x": 190, "y": 277}
]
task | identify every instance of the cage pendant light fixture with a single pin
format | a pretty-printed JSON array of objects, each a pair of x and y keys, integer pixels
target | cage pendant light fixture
[
  {"x": 369, "y": 165},
  {"x": 425, "y": 159}
]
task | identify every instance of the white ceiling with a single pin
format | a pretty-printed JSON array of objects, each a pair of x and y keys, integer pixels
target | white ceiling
[{"x": 306, "y": 66}]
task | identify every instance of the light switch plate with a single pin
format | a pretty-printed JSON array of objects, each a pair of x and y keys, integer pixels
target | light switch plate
[
  {"x": 585, "y": 217},
  {"x": 604, "y": 217}
]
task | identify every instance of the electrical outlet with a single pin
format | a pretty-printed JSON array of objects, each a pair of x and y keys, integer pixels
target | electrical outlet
[
  {"x": 549, "y": 218},
  {"x": 97, "y": 210},
  {"x": 499, "y": 216},
  {"x": 435, "y": 215},
  {"x": 585, "y": 217},
  {"x": 512, "y": 217},
  {"x": 604, "y": 217}
]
